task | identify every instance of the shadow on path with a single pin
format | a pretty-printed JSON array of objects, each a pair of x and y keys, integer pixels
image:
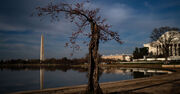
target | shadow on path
[{"x": 175, "y": 88}]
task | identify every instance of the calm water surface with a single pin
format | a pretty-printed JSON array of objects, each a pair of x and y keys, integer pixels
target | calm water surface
[{"x": 13, "y": 79}]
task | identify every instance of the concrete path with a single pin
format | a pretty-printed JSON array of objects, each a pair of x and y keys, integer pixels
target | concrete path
[{"x": 162, "y": 84}]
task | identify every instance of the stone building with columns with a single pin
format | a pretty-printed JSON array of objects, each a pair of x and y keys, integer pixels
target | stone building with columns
[{"x": 171, "y": 40}]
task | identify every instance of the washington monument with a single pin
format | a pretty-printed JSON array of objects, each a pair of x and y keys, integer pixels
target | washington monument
[
  {"x": 42, "y": 49},
  {"x": 41, "y": 59}
]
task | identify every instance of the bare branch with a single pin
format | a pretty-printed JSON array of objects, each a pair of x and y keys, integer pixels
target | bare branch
[{"x": 80, "y": 16}]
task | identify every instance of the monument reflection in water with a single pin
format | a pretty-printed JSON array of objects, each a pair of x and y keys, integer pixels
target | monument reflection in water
[
  {"x": 22, "y": 78},
  {"x": 41, "y": 78}
]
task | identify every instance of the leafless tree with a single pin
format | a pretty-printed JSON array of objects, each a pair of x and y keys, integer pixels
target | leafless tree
[
  {"x": 163, "y": 38},
  {"x": 83, "y": 17}
]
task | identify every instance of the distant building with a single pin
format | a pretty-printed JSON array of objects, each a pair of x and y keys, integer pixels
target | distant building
[
  {"x": 155, "y": 47},
  {"x": 126, "y": 57}
]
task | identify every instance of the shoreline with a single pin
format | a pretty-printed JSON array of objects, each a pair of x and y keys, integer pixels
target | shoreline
[
  {"x": 85, "y": 66},
  {"x": 150, "y": 85}
]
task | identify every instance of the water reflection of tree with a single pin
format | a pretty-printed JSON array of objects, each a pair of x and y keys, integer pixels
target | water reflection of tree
[
  {"x": 100, "y": 70},
  {"x": 139, "y": 75}
]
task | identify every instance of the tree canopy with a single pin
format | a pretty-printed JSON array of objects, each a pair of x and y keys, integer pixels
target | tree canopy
[
  {"x": 140, "y": 52},
  {"x": 81, "y": 16},
  {"x": 157, "y": 32}
]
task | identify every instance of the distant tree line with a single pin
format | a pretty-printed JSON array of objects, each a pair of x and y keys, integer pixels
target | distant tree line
[{"x": 63, "y": 61}]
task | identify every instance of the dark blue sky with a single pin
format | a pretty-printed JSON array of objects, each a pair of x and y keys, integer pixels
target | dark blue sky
[{"x": 134, "y": 20}]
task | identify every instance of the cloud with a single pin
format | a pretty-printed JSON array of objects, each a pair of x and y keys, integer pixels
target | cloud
[
  {"x": 18, "y": 50},
  {"x": 133, "y": 23},
  {"x": 134, "y": 26},
  {"x": 7, "y": 27},
  {"x": 161, "y": 4},
  {"x": 117, "y": 13}
]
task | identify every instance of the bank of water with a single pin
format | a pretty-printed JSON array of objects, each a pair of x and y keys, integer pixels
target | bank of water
[{"x": 16, "y": 78}]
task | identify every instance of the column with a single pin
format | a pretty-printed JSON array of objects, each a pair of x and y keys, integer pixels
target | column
[
  {"x": 157, "y": 51},
  {"x": 169, "y": 50},
  {"x": 178, "y": 50},
  {"x": 175, "y": 49}
]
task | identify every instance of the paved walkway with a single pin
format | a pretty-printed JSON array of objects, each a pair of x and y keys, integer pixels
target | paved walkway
[{"x": 163, "y": 84}]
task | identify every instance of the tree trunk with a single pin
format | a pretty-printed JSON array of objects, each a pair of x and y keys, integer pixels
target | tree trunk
[{"x": 93, "y": 74}]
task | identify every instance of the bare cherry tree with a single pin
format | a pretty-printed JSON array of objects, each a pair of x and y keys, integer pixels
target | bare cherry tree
[{"x": 83, "y": 17}]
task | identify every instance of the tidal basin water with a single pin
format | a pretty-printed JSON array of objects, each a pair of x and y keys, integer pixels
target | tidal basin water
[{"x": 21, "y": 78}]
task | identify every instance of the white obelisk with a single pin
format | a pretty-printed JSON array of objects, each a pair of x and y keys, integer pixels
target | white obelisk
[
  {"x": 42, "y": 49},
  {"x": 42, "y": 59}
]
